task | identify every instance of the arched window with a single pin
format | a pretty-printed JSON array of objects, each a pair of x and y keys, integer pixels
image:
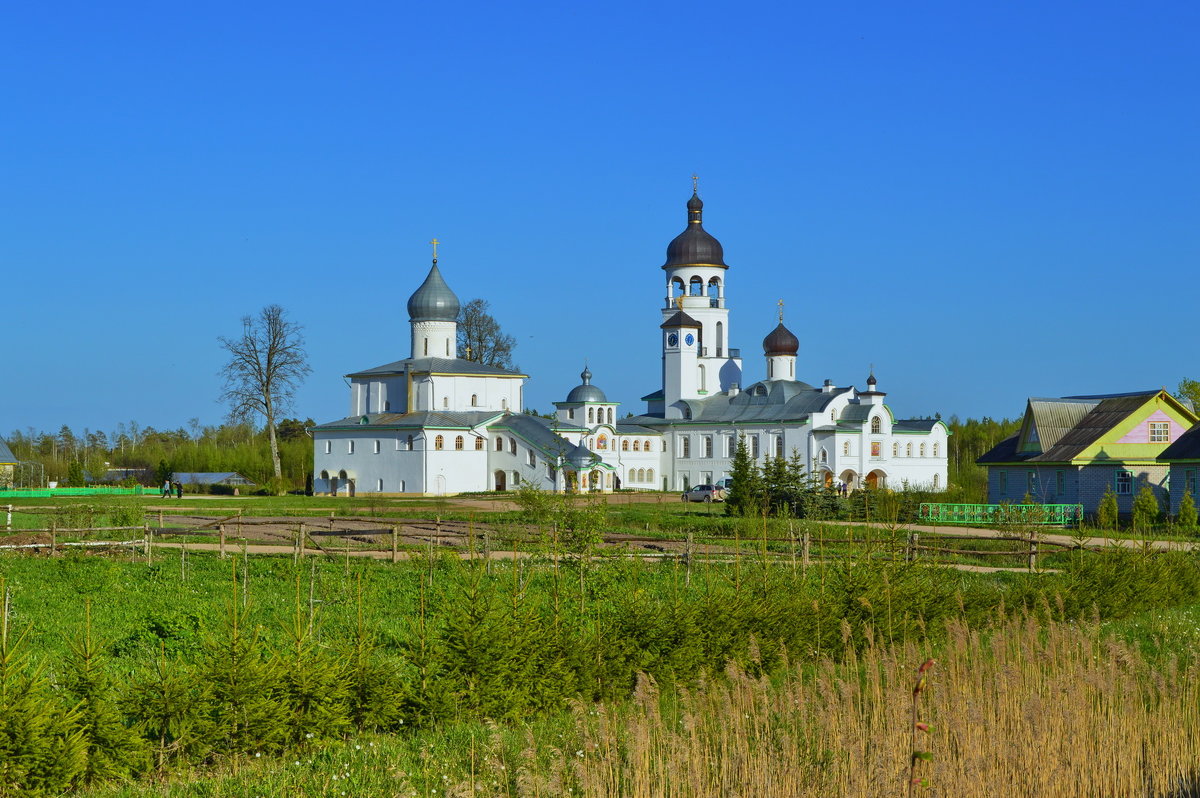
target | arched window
[
  {"x": 908, "y": 450},
  {"x": 602, "y": 442},
  {"x": 779, "y": 446},
  {"x": 641, "y": 475},
  {"x": 846, "y": 448},
  {"x": 379, "y": 485},
  {"x": 609, "y": 414},
  {"x": 625, "y": 445},
  {"x": 703, "y": 380},
  {"x": 512, "y": 445},
  {"x": 504, "y": 404},
  {"x": 445, "y": 402},
  {"x": 499, "y": 444},
  {"x": 649, "y": 474},
  {"x": 479, "y": 444},
  {"x": 824, "y": 456},
  {"x": 876, "y": 425},
  {"x": 922, "y": 450},
  {"x": 439, "y": 442},
  {"x": 591, "y": 415},
  {"x": 696, "y": 286},
  {"x": 714, "y": 290},
  {"x": 720, "y": 338},
  {"x": 832, "y": 416},
  {"x": 895, "y": 450},
  {"x": 937, "y": 481},
  {"x": 936, "y": 449},
  {"x": 646, "y": 446},
  {"x": 458, "y": 443},
  {"x": 637, "y": 446},
  {"x": 770, "y": 368},
  {"x": 676, "y": 287},
  {"x": 685, "y": 446},
  {"x": 474, "y": 400}
]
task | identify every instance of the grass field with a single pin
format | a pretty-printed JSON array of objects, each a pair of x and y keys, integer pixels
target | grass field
[{"x": 596, "y": 674}]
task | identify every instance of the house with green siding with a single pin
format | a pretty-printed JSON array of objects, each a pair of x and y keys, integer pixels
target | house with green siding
[
  {"x": 1183, "y": 459},
  {"x": 1071, "y": 450}
]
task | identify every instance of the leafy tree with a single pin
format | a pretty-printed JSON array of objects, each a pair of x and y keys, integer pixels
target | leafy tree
[
  {"x": 480, "y": 338},
  {"x": 291, "y": 429},
  {"x": 1145, "y": 509},
  {"x": 1108, "y": 512},
  {"x": 1190, "y": 390},
  {"x": 1187, "y": 511},
  {"x": 266, "y": 364}
]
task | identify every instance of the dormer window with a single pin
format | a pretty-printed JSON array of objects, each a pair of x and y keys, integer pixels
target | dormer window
[{"x": 876, "y": 425}]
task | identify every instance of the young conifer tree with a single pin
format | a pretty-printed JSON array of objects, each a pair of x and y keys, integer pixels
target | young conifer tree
[
  {"x": 1187, "y": 511},
  {"x": 1107, "y": 513},
  {"x": 745, "y": 495}
]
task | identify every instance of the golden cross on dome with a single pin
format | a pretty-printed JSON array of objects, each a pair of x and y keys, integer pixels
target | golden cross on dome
[
  {"x": 695, "y": 182},
  {"x": 435, "y": 243},
  {"x": 781, "y": 311}
]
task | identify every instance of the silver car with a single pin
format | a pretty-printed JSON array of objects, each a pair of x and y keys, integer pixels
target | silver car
[{"x": 705, "y": 493}]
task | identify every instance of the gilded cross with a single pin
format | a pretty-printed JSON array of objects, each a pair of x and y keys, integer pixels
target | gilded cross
[
  {"x": 695, "y": 182},
  {"x": 435, "y": 243},
  {"x": 781, "y": 311}
]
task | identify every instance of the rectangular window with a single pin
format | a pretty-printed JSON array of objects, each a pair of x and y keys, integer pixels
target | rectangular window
[
  {"x": 328, "y": 447},
  {"x": 1160, "y": 432},
  {"x": 779, "y": 446},
  {"x": 1060, "y": 483},
  {"x": 349, "y": 447},
  {"x": 708, "y": 446},
  {"x": 532, "y": 458},
  {"x": 1124, "y": 481},
  {"x": 1189, "y": 481},
  {"x": 876, "y": 449},
  {"x": 376, "y": 447},
  {"x": 685, "y": 446},
  {"x": 752, "y": 445},
  {"x": 1003, "y": 483},
  {"x": 1031, "y": 483}
]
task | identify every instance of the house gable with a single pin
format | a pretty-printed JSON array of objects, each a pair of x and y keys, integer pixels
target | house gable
[{"x": 1128, "y": 440}]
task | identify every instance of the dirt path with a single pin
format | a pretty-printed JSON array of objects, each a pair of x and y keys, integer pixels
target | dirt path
[{"x": 1050, "y": 537}]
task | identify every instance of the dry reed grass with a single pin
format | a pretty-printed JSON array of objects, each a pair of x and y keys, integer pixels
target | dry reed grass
[{"x": 1023, "y": 709}]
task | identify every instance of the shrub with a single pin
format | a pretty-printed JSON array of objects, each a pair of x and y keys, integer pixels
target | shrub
[
  {"x": 1187, "y": 511},
  {"x": 1107, "y": 512},
  {"x": 1145, "y": 509}
]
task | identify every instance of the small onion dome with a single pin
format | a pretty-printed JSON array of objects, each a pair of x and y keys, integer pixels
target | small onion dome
[
  {"x": 781, "y": 342},
  {"x": 586, "y": 392},
  {"x": 433, "y": 301},
  {"x": 871, "y": 381},
  {"x": 581, "y": 458},
  {"x": 695, "y": 246}
]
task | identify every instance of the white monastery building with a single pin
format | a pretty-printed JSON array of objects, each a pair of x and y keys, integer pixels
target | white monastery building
[{"x": 436, "y": 423}]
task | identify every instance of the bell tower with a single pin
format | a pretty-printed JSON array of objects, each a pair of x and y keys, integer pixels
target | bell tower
[
  {"x": 682, "y": 371},
  {"x": 695, "y": 286}
]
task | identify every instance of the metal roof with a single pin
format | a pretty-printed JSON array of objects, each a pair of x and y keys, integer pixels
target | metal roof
[
  {"x": 770, "y": 401},
  {"x": 424, "y": 418},
  {"x": 540, "y": 433},
  {"x": 210, "y": 478},
  {"x": 436, "y": 365},
  {"x": 1185, "y": 447},
  {"x": 695, "y": 246},
  {"x": 680, "y": 319},
  {"x": 6, "y": 455},
  {"x": 433, "y": 301}
]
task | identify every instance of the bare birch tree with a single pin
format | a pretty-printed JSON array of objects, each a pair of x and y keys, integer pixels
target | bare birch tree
[{"x": 266, "y": 364}]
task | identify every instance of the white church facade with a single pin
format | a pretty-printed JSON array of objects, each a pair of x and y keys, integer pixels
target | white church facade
[{"x": 437, "y": 424}]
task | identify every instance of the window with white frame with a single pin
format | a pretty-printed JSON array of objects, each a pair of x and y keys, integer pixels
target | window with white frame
[
  {"x": 730, "y": 445},
  {"x": 1160, "y": 432},
  {"x": 876, "y": 425},
  {"x": 708, "y": 446},
  {"x": 479, "y": 444},
  {"x": 779, "y": 446},
  {"x": 1124, "y": 482},
  {"x": 752, "y": 442},
  {"x": 685, "y": 446}
]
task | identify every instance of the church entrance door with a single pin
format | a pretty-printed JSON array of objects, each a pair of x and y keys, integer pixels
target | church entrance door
[{"x": 501, "y": 480}]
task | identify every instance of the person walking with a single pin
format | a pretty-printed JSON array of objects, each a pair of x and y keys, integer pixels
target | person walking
[
  {"x": 178, "y": 490},
  {"x": 166, "y": 489}
]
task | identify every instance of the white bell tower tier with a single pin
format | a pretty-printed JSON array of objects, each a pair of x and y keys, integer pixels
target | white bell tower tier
[
  {"x": 695, "y": 270},
  {"x": 682, "y": 371}
]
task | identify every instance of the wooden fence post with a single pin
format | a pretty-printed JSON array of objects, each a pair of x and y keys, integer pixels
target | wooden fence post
[
  {"x": 805, "y": 550},
  {"x": 160, "y": 526},
  {"x": 221, "y": 531},
  {"x": 8, "y": 523},
  {"x": 300, "y": 543},
  {"x": 395, "y": 546},
  {"x": 1033, "y": 550},
  {"x": 53, "y": 538}
]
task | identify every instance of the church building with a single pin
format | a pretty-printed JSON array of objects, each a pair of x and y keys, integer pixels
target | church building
[{"x": 436, "y": 423}]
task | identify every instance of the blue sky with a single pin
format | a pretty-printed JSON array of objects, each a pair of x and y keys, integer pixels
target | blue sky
[{"x": 986, "y": 200}]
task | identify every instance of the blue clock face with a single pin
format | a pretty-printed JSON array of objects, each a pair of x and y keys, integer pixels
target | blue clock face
[
  {"x": 689, "y": 339},
  {"x": 672, "y": 340}
]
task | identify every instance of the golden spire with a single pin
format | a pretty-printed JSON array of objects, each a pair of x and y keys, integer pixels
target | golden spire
[
  {"x": 781, "y": 311},
  {"x": 435, "y": 243}
]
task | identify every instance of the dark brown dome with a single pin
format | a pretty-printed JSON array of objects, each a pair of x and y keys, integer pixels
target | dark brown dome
[
  {"x": 781, "y": 342},
  {"x": 695, "y": 246}
]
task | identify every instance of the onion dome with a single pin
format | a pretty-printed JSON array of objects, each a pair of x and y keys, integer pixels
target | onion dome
[
  {"x": 695, "y": 246},
  {"x": 781, "y": 342},
  {"x": 872, "y": 382},
  {"x": 586, "y": 392},
  {"x": 433, "y": 301}
]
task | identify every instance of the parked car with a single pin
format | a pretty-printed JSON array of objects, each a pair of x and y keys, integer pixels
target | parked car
[{"x": 705, "y": 493}]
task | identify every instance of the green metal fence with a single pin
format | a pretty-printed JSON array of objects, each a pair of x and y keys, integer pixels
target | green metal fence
[
  {"x": 1003, "y": 514},
  {"x": 49, "y": 492}
]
